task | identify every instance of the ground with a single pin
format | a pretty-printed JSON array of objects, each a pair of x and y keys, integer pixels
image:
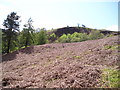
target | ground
[{"x": 60, "y": 64}]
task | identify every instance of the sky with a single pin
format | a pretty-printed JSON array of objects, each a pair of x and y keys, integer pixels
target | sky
[{"x": 97, "y": 14}]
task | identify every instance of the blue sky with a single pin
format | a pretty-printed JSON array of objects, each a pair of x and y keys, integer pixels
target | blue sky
[{"x": 99, "y": 14}]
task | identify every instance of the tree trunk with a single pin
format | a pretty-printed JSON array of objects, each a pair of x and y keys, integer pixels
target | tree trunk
[
  {"x": 9, "y": 40},
  {"x": 26, "y": 43}
]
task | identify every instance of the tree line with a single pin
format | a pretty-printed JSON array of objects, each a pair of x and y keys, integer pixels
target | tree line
[{"x": 14, "y": 39}]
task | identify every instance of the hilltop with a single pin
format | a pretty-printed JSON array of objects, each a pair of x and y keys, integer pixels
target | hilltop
[
  {"x": 70, "y": 30},
  {"x": 60, "y": 64}
]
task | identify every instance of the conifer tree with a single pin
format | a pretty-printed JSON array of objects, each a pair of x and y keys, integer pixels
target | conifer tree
[{"x": 10, "y": 31}]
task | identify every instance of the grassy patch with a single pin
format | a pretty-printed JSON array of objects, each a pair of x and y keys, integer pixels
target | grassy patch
[
  {"x": 111, "y": 78},
  {"x": 112, "y": 47},
  {"x": 77, "y": 57}
]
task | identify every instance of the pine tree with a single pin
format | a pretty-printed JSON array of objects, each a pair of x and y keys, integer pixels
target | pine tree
[{"x": 10, "y": 31}]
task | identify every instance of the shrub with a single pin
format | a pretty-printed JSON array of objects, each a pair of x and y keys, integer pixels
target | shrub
[
  {"x": 63, "y": 38},
  {"x": 83, "y": 37},
  {"x": 41, "y": 37},
  {"x": 52, "y": 37},
  {"x": 69, "y": 37},
  {"x": 79, "y": 37},
  {"x": 95, "y": 35},
  {"x": 75, "y": 39}
]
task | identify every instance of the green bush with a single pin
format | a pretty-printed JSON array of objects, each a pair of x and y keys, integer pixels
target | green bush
[
  {"x": 75, "y": 37},
  {"x": 83, "y": 37},
  {"x": 75, "y": 34},
  {"x": 63, "y": 38},
  {"x": 69, "y": 37},
  {"x": 95, "y": 35},
  {"x": 52, "y": 37},
  {"x": 41, "y": 37}
]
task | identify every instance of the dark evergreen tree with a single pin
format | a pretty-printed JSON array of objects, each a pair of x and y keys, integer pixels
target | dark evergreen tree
[{"x": 10, "y": 31}]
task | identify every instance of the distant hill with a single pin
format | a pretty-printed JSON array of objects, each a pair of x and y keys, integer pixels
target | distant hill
[{"x": 70, "y": 30}]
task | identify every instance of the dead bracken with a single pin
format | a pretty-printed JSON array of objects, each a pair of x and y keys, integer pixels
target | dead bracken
[{"x": 54, "y": 66}]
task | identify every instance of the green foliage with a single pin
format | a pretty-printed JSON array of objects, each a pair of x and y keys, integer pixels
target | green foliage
[
  {"x": 107, "y": 47},
  {"x": 13, "y": 39},
  {"x": 75, "y": 37},
  {"x": 52, "y": 37},
  {"x": 27, "y": 35},
  {"x": 41, "y": 37},
  {"x": 110, "y": 35},
  {"x": 63, "y": 38},
  {"x": 79, "y": 37},
  {"x": 111, "y": 78},
  {"x": 10, "y": 33},
  {"x": 95, "y": 35},
  {"x": 69, "y": 37},
  {"x": 112, "y": 47},
  {"x": 77, "y": 57}
]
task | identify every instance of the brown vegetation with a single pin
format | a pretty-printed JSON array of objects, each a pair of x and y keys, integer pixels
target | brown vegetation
[{"x": 60, "y": 65}]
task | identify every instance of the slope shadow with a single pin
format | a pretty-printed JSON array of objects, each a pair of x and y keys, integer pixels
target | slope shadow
[
  {"x": 13, "y": 55},
  {"x": 9, "y": 56},
  {"x": 27, "y": 50}
]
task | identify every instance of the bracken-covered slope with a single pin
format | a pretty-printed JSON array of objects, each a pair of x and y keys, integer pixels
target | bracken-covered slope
[{"x": 60, "y": 65}]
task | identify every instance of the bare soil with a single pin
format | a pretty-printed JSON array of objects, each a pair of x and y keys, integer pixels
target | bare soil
[{"x": 59, "y": 65}]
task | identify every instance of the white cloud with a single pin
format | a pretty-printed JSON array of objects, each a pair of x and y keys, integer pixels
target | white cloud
[{"x": 112, "y": 28}]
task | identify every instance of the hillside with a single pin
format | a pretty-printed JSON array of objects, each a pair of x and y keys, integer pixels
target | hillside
[
  {"x": 60, "y": 65},
  {"x": 70, "y": 30}
]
